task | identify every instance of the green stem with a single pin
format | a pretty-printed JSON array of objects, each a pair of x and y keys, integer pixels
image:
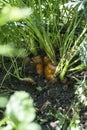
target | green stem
[
  {"x": 62, "y": 74},
  {"x": 79, "y": 67}
]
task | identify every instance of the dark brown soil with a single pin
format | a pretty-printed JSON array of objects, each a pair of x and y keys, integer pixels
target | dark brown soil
[{"x": 48, "y": 97}]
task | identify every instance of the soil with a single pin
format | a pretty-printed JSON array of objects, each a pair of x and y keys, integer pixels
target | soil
[{"x": 48, "y": 97}]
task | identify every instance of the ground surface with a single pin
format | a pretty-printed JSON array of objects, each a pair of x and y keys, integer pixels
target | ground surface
[{"x": 48, "y": 97}]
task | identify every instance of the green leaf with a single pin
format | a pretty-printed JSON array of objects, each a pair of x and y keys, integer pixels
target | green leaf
[
  {"x": 31, "y": 126},
  {"x": 20, "y": 108},
  {"x": 9, "y": 13},
  {"x": 3, "y": 101},
  {"x": 8, "y": 50}
]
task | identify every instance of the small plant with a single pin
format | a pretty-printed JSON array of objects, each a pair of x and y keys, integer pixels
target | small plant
[
  {"x": 68, "y": 49},
  {"x": 70, "y": 120},
  {"x": 67, "y": 58},
  {"x": 81, "y": 90},
  {"x": 74, "y": 123},
  {"x": 20, "y": 113}
]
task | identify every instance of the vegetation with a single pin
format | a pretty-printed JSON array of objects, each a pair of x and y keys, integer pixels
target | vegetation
[
  {"x": 24, "y": 106},
  {"x": 55, "y": 31}
]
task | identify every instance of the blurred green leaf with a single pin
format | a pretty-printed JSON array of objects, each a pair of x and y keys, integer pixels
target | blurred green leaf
[
  {"x": 8, "y": 50},
  {"x": 20, "y": 108},
  {"x": 3, "y": 101},
  {"x": 31, "y": 126},
  {"x": 9, "y": 13}
]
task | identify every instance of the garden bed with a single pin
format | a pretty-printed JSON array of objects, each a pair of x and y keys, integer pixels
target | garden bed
[
  {"x": 43, "y": 54},
  {"x": 49, "y": 98}
]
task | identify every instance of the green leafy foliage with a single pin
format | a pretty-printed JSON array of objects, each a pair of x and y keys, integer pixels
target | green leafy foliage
[
  {"x": 81, "y": 4},
  {"x": 9, "y": 51},
  {"x": 20, "y": 113},
  {"x": 61, "y": 118},
  {"x": 81, "y": 90},
  {"x": 59, "y": 29},
  {"x": 83, "y": 51},
  {"x": 74, "y": 123},
  {"x": 22, "y": 106},
  {"x": 52, "y": 27},
  {"x": 3, "y": 101},
  {"x": 10, "y": 14}
]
